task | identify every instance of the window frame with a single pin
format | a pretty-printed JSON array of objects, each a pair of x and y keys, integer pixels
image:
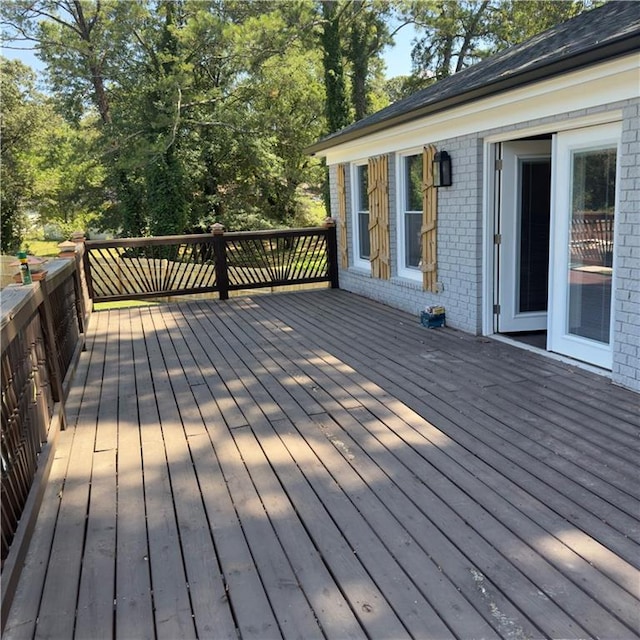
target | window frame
[
  {"x": 404, "y": 271},
  {"x": 358, "y": 261}
]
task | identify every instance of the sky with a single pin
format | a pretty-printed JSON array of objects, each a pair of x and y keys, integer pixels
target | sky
[{"x": 398, "y": 57}]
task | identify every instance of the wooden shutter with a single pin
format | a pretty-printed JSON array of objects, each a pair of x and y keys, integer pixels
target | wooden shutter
[
  {"x": 342, "y": 218},
  {"x": 429, "y": 229},
  {"x": 379, "y": 217}
]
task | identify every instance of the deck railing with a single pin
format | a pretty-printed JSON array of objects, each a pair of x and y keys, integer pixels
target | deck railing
[
  {"x": 43, "y": 326},
  {"x": 42, "y": 333},
  {"x": 137, "y": 268}
]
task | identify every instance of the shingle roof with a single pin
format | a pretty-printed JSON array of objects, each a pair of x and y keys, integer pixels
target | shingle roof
[{"x": 606, "y": 32}]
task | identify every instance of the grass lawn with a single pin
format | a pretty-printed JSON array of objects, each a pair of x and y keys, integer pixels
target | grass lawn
[
  {"x": 123, "y": 304},
  {"x": 41, "y": 248}
]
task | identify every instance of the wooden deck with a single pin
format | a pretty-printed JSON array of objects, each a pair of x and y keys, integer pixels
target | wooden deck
[{"x": 316, "y": 465}]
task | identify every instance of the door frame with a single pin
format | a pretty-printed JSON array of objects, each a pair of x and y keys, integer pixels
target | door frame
[
  {"x": 490, "y": 189},
  {"x": 509, "y": 202}
]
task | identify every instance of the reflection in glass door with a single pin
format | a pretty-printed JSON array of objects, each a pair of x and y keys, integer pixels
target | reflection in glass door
[
  {"x": 583, "y": 247},
  {"x": 591, "y": 243}
]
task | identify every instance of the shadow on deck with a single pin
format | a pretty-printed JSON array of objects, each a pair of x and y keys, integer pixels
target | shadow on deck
[{"x": 319, "y": 465}]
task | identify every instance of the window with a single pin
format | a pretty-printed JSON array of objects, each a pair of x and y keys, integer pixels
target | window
[
  {"x": 361, "y": 208},
  {"x": 410, "y": 223}
]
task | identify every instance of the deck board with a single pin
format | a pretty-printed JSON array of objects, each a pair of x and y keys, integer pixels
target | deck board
[
  {"x": 513, "y": 426},
  {"x": 319, "y": 465},
  {"x": 396, "y": 423}
]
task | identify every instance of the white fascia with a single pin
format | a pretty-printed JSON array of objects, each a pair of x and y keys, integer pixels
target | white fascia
[{"x": 596, "y": 86}]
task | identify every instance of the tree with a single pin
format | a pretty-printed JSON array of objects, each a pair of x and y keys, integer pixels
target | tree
[
  {"x": 188, "y": 131},
  {"x": 454, "y": 33},
  {"x": 367, "y": 35},
  {"x": 337, "y": 106},
  {"x": 20, "y": 119},
  {"x": 458, "y": 33},
  {"x": 68, "y": 188}
]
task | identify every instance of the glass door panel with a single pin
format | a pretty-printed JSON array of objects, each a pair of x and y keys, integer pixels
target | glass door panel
[{"x": 583, "y": 217}]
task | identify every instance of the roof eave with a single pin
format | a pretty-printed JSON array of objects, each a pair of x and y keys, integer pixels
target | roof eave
[{"x": 595, "y": 55}]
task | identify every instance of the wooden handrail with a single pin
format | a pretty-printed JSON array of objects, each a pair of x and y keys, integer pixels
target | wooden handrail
[
  {"x": 41, "y": 333},
  {"x": 139, "y": 268}
]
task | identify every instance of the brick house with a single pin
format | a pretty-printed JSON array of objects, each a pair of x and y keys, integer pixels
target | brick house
[{"x": 537, "y": 238}]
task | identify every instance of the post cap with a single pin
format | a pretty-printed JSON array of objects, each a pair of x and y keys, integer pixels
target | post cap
[{"x": 217, "y": 228}]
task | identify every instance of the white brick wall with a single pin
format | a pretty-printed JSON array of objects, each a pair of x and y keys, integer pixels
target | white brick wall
[
  {"x": 626, "y": 346},
  {"x": 460, "y": 242}
]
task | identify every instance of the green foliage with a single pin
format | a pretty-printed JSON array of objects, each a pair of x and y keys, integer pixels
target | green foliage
[
  {"x": 21, "y": 118},
  {"x": 168, "y": 116},
  {"x": 455, "y": 34},
  {"x": 166, "y": 198},
  {"x": 337, "y": 107},
  {"x": 367, "y": 34},
  {"x": 68, "y": 188}
]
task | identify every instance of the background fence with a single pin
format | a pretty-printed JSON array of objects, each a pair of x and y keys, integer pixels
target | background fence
[{"x": 138, "y": 268}]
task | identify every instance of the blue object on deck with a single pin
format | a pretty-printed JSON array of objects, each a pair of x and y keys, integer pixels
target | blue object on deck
[{"x": 432, "y": 320}]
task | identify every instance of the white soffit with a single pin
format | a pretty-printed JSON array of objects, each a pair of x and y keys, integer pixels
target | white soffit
[{"x": 593, "y": 87}]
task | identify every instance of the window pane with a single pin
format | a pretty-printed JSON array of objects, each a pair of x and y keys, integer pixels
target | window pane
[
  {"x": 591, "y": 243},
  {"x": 413, "y": 183},
  {"x": 363, "y": 187},
  {"x": 363, "y": 234},
  {"x": 413, "y": 246}
]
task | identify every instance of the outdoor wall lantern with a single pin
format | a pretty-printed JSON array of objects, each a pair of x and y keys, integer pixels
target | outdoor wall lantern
[{"x": 442, "y": 169}]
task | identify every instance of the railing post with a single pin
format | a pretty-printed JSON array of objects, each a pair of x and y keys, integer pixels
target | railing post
[
  {"x": 220, "y": 260},
  {"x": 332, "y": 252},
  {"x": 87, "y": 271},
  {"x": 69, "y": 249}
]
